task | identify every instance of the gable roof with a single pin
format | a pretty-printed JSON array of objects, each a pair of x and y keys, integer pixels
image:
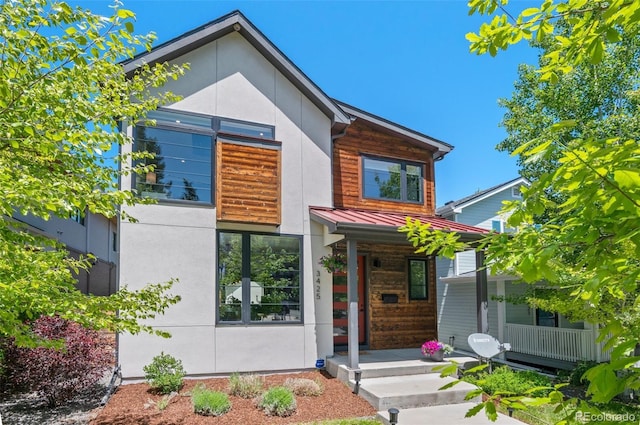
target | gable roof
[
  {"x": 236, "y": 21},
  {"x": 441, "y": 148},
  {"x": 456, "y": 206}
]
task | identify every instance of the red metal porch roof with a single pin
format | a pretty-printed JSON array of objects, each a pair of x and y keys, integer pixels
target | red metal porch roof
[{"x": 350, "y": 217}]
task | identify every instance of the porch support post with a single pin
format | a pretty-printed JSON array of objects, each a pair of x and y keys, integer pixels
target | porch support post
[
  {"x": 352, "y": 299},
  {"x": 502, "y": 312},
  {"x": 482, "y": 298}
]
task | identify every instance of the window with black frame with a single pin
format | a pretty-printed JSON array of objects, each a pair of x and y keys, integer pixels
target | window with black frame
[
  {"x": 391, "y": 179},
  {"x": 182, "y": 148},
  {"x": 259, "y": 278},
  {"x": 418, "y": 279}
]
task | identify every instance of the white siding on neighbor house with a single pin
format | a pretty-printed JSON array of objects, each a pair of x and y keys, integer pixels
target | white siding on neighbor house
[
  {"x": 229, "y": 78},
  {"x": 457, "y": 312},
  {"x": 481, "y": 214},
  {"x": 520, "y": 314}
]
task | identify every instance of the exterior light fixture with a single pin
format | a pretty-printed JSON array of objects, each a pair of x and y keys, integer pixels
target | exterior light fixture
[
  {"x": 357, "y": 374},
  {"x": 393, "y": 416}
]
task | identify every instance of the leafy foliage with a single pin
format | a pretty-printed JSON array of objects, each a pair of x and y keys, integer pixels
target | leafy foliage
[
  {"x": 592, "y": 25},
  {"x": 209, "y": 403},
  {"x": 278, "y": 401},
  {"x": 164, "y": 374},
  {"x": 584, "y": 155},
  {"x": 74, "y": 359},
  {"x": 62, "y": 95},
  {"x": 506, "y": 381},
  {"x": 245, "y": 386}
]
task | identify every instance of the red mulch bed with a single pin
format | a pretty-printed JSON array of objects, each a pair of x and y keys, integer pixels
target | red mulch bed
[{"x": 127, "y": 405}]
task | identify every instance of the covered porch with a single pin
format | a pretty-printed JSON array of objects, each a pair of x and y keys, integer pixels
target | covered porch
[{"x": 394, "y": 318}]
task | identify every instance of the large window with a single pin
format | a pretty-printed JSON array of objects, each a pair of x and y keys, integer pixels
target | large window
[
  {"x": 418, "y": 279},
  {"x": 182, "y": 164},
  {"x": 392, "y": 180},
  {"x": 183, "y": 148},
  {"x": 259, "y": 278}
]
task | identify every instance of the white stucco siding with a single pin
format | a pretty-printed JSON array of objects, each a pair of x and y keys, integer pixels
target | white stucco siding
[
  {"x": 158, "y": 252},
  {"x": 230, "y": 79}
]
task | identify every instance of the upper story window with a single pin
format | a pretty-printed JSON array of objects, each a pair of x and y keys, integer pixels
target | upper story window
[
  {"x": 391, "y": 179},
  {"x": 183, "y": 148},
  {"x": 496, "y": 225},
  {"x": 516, "y": 192},
  {"x": 77, "y": 215}
]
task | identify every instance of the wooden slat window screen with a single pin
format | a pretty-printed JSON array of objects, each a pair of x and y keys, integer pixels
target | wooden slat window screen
[{"x": 248, "y": 184}]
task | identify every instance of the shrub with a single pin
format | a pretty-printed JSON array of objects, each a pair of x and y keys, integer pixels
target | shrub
[
  {"x": 245, "y": 386},
  {"x": 278, "y": 401},
  {"x": 303, "y": 386},
  {"x": 164, "y": 374},
  {"x": 505, "y": 380},
  {"x": 576, "y": 375},
  {"x": 209, "y": 403},
  {"x": 74, "y": 359}
]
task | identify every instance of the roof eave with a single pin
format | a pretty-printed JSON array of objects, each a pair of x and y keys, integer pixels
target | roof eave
[
  {"x": 439, "y": 147},
  {"x": 237, "y": 22}
]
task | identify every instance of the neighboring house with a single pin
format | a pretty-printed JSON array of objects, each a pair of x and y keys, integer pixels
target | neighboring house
[
  {"x": 258, "y": 175},
  {"x": 536, "y": 336},
  {"x": 83, "y": 234}
]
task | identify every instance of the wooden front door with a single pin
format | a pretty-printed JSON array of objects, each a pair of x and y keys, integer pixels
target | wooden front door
[{"x": 340, "y": 306}]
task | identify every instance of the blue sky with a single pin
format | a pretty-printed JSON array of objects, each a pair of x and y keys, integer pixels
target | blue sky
[{"x": 407, "y": 61}]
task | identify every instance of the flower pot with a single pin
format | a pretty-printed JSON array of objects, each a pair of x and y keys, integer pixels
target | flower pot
[{"x": 437, "y": 356}]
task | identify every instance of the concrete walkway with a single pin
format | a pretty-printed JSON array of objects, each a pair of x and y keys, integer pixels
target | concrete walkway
[{"x": 405, "y": 380}]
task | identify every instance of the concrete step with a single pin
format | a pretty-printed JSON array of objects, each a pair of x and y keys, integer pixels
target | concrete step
[
  {"x": 409, "y": 391},
  {"x": 452, "y": 414},
  {"x": 379, "y": 369}
]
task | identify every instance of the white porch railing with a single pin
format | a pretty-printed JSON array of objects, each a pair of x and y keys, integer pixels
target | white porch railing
[{"x": 572, "y": 345}]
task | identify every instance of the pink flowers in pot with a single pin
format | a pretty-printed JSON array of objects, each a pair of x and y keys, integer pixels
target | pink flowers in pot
[{"x": 433, "y": 346}]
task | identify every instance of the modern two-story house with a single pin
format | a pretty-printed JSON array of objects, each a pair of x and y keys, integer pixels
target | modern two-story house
[
  {"x": 536, "y": 336},
  {"x": 258, "y": 175}
]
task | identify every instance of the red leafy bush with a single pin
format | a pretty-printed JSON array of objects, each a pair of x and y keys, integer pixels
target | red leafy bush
[{"x": 58, "y": 373}]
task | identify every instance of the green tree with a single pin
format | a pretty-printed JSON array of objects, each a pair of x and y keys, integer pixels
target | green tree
[
  {"x": 62, "y": 95},
  {"x": 588, "y": 176}
]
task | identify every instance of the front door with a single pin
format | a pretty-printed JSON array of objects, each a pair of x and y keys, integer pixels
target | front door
[{"x": 340, "y": 306}]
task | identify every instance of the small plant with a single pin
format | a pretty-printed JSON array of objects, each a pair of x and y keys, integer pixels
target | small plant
[
  {"x": 245, "y": 386},
  {"x": 303, "y": 386},
  {"x": 431, "y": 347},
  {"x": 73, "y": 359},
  {"x": 161, "y": 404},
  {"x": 505, "y": 380},
  {"x": 336, "y": 262},
  {"x": 278, "y": 401},
  {"x": 164, "y": 374},
  {"x": 209, "y": 403}
]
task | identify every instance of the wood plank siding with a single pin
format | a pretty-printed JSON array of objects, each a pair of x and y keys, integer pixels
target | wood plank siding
[
  {"x": 407, "y": 323},
  {"x": 347, "y": 168},
  {"x": 248, "y": 183}
]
